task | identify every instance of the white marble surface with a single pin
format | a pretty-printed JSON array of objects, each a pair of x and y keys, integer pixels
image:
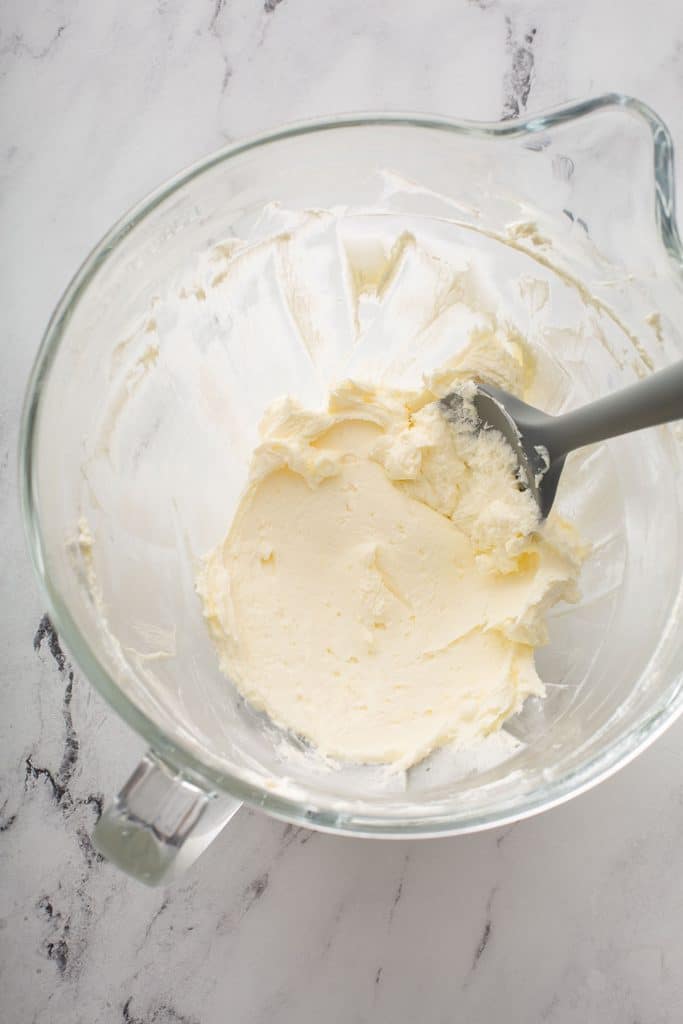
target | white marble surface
[{"x": 576, "y": 916}]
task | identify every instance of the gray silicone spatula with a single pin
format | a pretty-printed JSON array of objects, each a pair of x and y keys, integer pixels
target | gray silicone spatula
[{"x": 541, "y": 442}]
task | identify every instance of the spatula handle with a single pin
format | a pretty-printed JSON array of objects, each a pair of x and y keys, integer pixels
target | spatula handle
[{"x": 658, "y": 399}]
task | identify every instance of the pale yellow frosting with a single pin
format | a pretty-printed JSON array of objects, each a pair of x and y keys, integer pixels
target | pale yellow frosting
[{"x": 384, "y": 581}]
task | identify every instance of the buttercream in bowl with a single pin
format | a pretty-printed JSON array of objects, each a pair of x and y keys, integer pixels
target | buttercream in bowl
[{"x": 385, "y": 581}]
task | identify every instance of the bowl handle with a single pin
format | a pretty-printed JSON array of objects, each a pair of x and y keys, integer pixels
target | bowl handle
[{"x": 160, "y": 822}]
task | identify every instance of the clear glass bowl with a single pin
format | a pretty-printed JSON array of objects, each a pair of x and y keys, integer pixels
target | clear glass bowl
[{"x": 581, "y": 199}]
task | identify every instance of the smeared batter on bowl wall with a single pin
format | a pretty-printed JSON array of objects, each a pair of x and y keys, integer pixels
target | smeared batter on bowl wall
[{"x": 384, "y": 582}]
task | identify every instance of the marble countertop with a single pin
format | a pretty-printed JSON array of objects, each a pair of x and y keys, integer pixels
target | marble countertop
[{"x": 574, "y": 916}]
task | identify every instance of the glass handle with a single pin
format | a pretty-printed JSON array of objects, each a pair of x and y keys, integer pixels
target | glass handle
[{"x": 160, "y": 822}]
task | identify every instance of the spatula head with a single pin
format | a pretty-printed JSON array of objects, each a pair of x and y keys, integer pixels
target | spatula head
[{"x": 521, "y": 426}]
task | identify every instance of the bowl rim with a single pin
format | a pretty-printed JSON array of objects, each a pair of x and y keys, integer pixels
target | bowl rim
[{"x": 326, "y": 814}]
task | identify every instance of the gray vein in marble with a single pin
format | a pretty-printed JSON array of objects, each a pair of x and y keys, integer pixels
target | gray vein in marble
[
  {"x": 163, "y": 1013},
  {"x": 269, "y": 8},
  {"x": 164, "y": 905},
  {"x": 91, "y": 855},
  {"x": 17, "y": 45},
  {"x": 486, "y": 934},
  {"x": 6, "y": 823},
  {"x": 398, "y": 891},
  {"x": 482, "y": 944},
  {"x": 67, "y": 933},
  {"x": 254, "y": 891},
  {"x": 56, "y": 945},
  {"x": 519, "y": 75},
  {"x": 338, "y": 914},
  {"x": 248, "y": 898},
  {"x": 548, "y": 1010},
  {"x": 227, "y": 75},
  {"x": 500, "y": 839},
  {"x": 217, "y": 11},
  {"x": 58, "y": 780},
  {"x": 291, "y": 834},
  {"x": 215, "y": 31},
  {"x": 397, "y": 897},
  {"x": 47, "y": 633},
  {"x": 377, "y": 985}
]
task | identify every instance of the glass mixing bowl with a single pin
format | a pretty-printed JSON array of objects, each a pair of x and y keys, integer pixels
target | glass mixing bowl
[{"x": 575, "y": 207}]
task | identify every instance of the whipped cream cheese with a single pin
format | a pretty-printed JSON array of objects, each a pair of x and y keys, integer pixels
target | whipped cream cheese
[{"x": 384, "y": 582}]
